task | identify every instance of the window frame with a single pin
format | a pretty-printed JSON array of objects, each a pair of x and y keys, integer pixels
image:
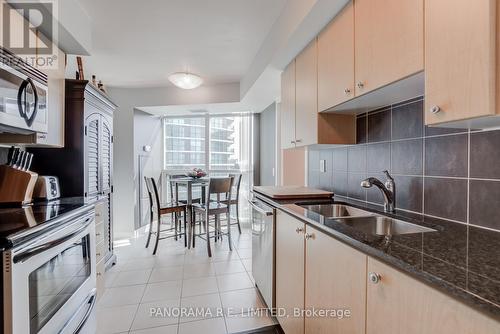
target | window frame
[{"x": 206, "y": 166}]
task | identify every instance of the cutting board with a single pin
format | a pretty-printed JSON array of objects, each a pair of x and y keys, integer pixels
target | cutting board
[{"x": 292, "y": 192}]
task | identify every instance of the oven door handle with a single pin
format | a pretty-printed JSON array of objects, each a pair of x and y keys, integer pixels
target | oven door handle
[
  {"x": 91, "y": 303},
  {"x": 24, "y": 256},
  {"x": 260, "y": 210}
]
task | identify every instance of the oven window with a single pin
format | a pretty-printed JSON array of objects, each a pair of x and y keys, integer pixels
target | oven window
[{"x": 53, "y": 283}]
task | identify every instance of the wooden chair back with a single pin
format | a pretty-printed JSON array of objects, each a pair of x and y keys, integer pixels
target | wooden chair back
[
  {"x": 149, "y": 188},
  {"x": 218, "y": 186},
  {"x": 171, "y": 185},
  {"x": 154, "y": 198},
  {"x": 236, "y": 185}
]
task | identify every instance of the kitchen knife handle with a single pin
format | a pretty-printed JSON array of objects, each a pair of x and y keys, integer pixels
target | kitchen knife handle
[
  {"x": 10, "y": 154},
  {"x": 29, "y": 159},
  {"x": 20, "y": 160},
  {"x": 15, "y": 156}
]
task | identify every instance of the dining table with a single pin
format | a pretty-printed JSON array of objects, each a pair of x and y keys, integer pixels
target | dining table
[{"x": 189, "y": 183}]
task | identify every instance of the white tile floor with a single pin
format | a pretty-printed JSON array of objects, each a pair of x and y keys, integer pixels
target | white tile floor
[{"x": 182, "y": 279}]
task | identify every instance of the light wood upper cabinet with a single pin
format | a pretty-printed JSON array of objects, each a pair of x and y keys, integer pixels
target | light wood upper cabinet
[
  {"x": 306, "y": 72},
  {"x": 389, "y": 41},
  {"x": 460, "y": 60},
  {"x": 335, "y": 279},
  {"x": 312, "y": 127},
  {"x": 55, "y": 83},
  {"x": 400, "y": 304},
  {"x": 288, "y": 106},
  {"x": 336, "y": 60},
  {"x": 290, "y": 271}
]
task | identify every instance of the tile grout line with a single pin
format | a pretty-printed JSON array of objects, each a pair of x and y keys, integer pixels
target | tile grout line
[
  {"x": 468, "y": 210},
  {"x": 424, "y": 160}
]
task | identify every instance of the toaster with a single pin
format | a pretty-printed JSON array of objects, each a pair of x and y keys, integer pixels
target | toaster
[{"x": 46, "y": 188}]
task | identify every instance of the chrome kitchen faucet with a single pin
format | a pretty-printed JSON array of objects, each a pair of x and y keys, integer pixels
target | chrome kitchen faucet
[{"x": 388, "y": 190}]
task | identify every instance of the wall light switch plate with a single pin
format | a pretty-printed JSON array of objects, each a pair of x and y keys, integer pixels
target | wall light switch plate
[{"x": 322, "y": 166}]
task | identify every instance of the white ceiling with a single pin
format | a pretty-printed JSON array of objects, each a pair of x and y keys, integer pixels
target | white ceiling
[{"x": 139, "y": 43}]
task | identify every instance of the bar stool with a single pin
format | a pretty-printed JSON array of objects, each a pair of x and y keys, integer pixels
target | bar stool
[
  {"x": 160, "y": 210},
  {"x": 216, "y": 186}
]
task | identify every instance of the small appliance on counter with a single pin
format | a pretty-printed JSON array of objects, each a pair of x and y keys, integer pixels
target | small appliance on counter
[
  {"x": 17, "y": 182},
  {"x": 46, "y": 188}
]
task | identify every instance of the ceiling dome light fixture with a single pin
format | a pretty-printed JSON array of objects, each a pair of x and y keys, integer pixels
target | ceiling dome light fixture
[{"x": 185, "y": 80}]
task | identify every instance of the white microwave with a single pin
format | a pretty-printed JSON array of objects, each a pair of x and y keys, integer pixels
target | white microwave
[{"x": 23, "y": 99}]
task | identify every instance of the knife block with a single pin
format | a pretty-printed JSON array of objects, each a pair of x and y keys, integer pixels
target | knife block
[{"x": 16, "y": 186}]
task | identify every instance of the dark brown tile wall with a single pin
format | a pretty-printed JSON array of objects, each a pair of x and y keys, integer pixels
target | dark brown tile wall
[{"x": 447, "y": 173}]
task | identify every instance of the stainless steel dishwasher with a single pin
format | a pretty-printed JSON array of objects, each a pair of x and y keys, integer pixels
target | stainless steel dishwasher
[{"x": 263, "y": 249}]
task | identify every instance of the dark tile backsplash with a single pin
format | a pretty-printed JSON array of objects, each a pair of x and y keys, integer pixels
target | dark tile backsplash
[
  {"x": 379, "y": 125},
  {"x": 446, "y": 155},
  {"x": 447, "y": 173}
]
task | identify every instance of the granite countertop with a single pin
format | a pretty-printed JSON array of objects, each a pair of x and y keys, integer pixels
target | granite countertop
[
  {"x": 21, "y": 224},
  {"x": 460, "y": 260}
]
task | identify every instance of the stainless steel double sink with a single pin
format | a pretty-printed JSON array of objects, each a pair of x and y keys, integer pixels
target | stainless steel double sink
[{"x": 365, "y": 221}]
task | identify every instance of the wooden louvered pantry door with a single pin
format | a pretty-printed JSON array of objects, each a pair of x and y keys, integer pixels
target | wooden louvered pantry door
[
  {"x": 106, "y": 155},
  {"x": 92, "y": 153},
  {"x": 106, "y": 163}
]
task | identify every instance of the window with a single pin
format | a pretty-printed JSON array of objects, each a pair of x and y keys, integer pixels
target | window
[
  {"x": 220, "y": 144},
  {"x": 214, "y": 143},
  {"x": 224, "y": 135},
  {"x": 184, "y": 143}
]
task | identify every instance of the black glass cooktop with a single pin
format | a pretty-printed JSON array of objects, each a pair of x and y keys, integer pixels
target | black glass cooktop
[{"x": 19, "y": 220}]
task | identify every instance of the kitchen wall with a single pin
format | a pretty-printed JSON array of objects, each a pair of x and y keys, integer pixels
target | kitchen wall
[
  {"x": 268, "y": 146},
  {"x": 147, "y": 131},
  {"x": 447, "y": 173}
]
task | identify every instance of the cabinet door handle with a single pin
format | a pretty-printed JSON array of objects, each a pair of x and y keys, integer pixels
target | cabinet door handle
[
  {"x": 347, "y": 91},
  {"x": 361, "y": 85},
  {"x": 374, "y": 278},
  {"x": 308, "y": 236},
  {"x": 292, "y": 142},
  {"x": 299, "y": 230},
  {"x": 298, "y": 140},
  {"x": 435, "y": 109}
]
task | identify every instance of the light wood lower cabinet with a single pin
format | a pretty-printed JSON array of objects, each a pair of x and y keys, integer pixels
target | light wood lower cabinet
[
  {"x": 290, "y": 271},
  {"x": 318, "y": 275},
  {"x": 400, "y": 304},
  {"x": 336, "y": 282},
  {"x": 317, "y": 272}
]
